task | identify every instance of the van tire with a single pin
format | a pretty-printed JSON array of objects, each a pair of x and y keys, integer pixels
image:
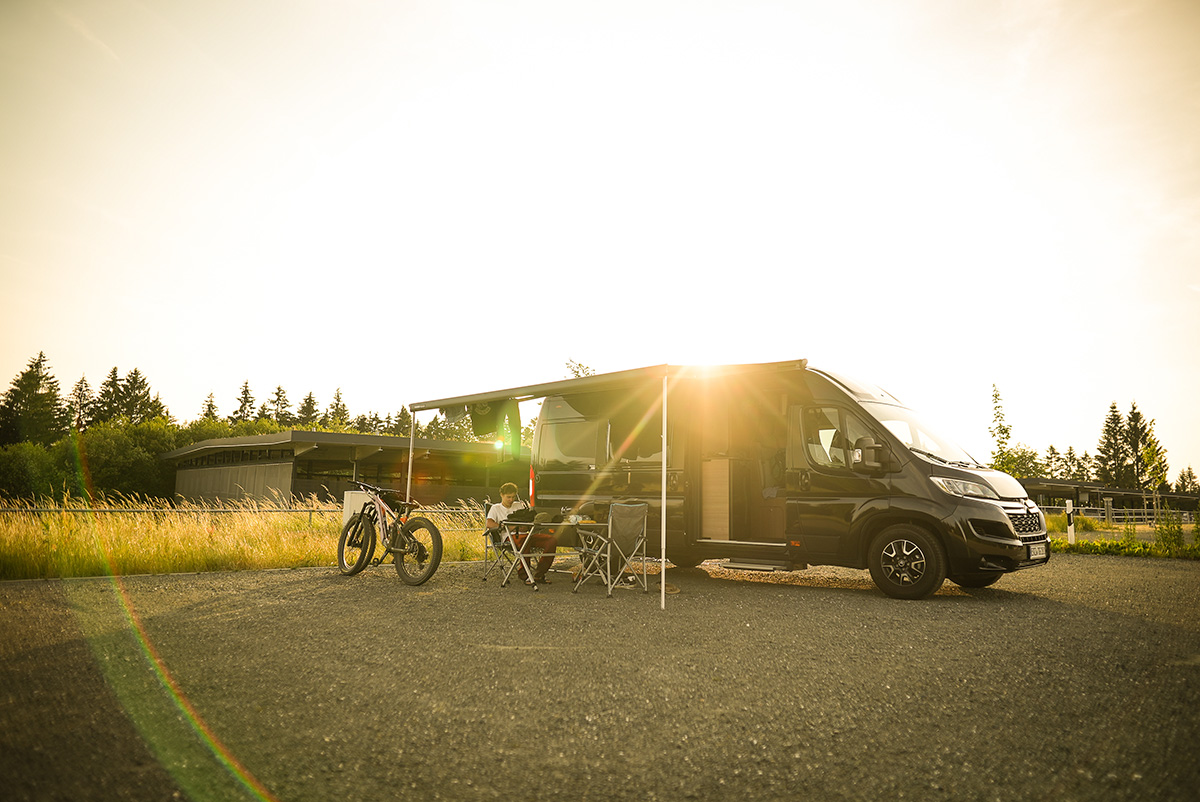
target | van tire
[{"x": 907, "y": 562}]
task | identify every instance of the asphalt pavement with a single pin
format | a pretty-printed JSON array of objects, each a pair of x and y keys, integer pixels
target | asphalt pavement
[{"x": 1076, "y": 681}]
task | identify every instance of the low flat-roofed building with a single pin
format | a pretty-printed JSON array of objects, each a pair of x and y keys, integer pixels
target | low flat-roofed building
[
  {"x": 1056, "y": 492},
  {"x": 298, "y": 464}
]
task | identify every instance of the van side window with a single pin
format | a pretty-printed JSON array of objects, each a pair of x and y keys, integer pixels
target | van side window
[
  {"x": 856, "y": 428},
  {"x": 824, "y": 442},
  {"x": 636, "y": 440},
  {"x": 568, "y": 445},
  {"x": 828, "y": 435}
]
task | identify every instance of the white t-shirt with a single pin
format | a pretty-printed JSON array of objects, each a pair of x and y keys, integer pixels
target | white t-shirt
[{"x": 499, "y": 513}]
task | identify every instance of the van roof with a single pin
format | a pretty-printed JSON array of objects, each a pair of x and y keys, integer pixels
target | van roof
[{"x": 607, "y": 381}]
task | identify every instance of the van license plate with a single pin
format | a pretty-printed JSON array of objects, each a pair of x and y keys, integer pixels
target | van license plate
[{"x": 1037, "y": 551}]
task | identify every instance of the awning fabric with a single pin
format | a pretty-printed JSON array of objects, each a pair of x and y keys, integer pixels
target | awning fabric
[
  {"x": 642, "y": 377},
  {"x": 490, "y": 408}
]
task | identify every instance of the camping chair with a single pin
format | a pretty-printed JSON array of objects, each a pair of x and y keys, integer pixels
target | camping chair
[
  {"x": 498, "y": 550},
  {"x": 510, "y": 548},
  {"x": 607, "y": 554}
]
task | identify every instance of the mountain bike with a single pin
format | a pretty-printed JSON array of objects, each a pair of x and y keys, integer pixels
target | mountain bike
[{"x": 414, "y": 543}]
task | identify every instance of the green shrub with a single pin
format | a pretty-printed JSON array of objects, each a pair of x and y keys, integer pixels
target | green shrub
[
  {"x": 1168, "y": 530},
  {"x": 1124, "y": 548},
  {"x": 1058, "y": 523}
]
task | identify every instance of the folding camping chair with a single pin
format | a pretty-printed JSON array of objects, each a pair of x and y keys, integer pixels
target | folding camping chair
[
  {"x": 607, "y": 553},
  {"x": 498, "y": 550},
  {"x": 510, "y": 548}
]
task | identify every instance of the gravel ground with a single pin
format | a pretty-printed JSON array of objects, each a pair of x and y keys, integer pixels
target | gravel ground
[{"x": 1077, "y": 681}]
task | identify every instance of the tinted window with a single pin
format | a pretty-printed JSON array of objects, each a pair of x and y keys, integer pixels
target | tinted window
[
  {"x": 824, "y": 443},
  {"x": 828, "y": 435},
  {"x": 567, "y": 444},
  {"x": 636, "y": 440}
]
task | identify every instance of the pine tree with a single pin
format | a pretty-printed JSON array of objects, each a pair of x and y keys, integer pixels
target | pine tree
[
  {"x": 309, "y": 413},
  {"x": 209, "y": 412},
  {"x": 1136, "y": 431},
  {"x": 370, "y": 423},
  {"x": 1112, "y": 454},
  {"x": 400, "y": 424},
  {"x": 338, "y": 414},
  {"x": 245, "y": 409},
  {"x": 1087, "y": 468},
  {"x": 157, "y": 409},
  {"x": 1187, "y": 482},
  {"x": 80, "y": 403},
  {"x": 136, "y": 403},
  {"x": 109, "y": 399},
  {"x": 1055, "y": 464},
  {"x": 33, "y": 410},
  {"x": 1076, "y": 468},
  {"x": 280, "y": 407}
]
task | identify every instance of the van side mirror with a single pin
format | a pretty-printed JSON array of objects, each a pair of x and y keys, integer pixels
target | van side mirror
[{"x": 869, "y": 456}]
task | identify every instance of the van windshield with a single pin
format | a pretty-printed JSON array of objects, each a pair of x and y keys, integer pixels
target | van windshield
[{"x": 917, "y": 436}]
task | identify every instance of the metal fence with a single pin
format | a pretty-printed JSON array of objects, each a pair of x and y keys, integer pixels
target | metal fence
[{"x": 1119, "y": 517}]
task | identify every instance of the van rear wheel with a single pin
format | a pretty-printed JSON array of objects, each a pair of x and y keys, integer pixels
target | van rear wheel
[{"x": 907, "y": 562}]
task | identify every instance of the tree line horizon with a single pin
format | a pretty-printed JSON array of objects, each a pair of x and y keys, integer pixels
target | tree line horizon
[{"x": 108, "y": 441}]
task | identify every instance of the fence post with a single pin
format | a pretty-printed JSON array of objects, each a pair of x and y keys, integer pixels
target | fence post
[{"x": 1108, "y": 513}]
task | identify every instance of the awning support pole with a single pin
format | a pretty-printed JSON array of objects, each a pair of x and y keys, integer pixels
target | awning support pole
[
  {"x": 662, "y": 571},
  {"x": 412, "y": 438}
]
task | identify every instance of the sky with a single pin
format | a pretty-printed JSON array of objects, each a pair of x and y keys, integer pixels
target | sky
[{"x": 414, "y": 200}]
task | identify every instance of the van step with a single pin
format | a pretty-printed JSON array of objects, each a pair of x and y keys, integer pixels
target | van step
[{"x": 758, "y": 565}]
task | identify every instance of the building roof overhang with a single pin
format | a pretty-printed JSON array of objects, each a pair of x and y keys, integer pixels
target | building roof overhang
[{"x": 337, "y": 446}]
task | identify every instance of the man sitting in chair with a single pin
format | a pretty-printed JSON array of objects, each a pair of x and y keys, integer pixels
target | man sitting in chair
[{"x": 542, "y": 539}]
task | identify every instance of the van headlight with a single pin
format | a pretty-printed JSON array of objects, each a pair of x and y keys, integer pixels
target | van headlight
[{"x": 961, "y": 487}]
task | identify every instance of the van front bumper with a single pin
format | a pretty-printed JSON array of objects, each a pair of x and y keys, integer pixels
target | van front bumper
[{"x": 998, "y": 536}]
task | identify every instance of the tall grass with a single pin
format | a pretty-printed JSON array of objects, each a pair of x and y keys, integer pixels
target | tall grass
[
  {"x": 461, "y": 528},
  {"x": 148, "y": 536}
]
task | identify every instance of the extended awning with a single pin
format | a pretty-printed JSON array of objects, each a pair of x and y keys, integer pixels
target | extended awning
[
  {"x": 638, "y": 377},
  {"x": 666, "y": 375}
]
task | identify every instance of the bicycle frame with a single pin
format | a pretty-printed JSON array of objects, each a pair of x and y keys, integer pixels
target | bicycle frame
[{"x": 387, "y": 520}]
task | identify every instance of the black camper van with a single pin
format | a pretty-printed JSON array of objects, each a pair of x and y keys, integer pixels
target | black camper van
[{"x": 778, "y": 466}]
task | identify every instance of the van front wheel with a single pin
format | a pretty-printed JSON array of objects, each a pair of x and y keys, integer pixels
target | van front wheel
[{"x": 907, "y": 562}]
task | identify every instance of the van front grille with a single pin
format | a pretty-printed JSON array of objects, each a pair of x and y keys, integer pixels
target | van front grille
[{"x": 1029, "y": 523}]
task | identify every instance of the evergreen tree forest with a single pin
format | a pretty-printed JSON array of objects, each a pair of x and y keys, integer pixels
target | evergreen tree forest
[
  {"x": 1128, "y": 455},
  {"x": 106, "y": 441}
]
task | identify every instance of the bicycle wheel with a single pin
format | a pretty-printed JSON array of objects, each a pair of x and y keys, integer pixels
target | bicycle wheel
[
  {"x": 418, "y": 552},
  {"x": 357, "y": 544}
]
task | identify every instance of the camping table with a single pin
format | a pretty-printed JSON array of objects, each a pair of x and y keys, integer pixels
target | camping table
[{"x": 524, "y": 554}]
